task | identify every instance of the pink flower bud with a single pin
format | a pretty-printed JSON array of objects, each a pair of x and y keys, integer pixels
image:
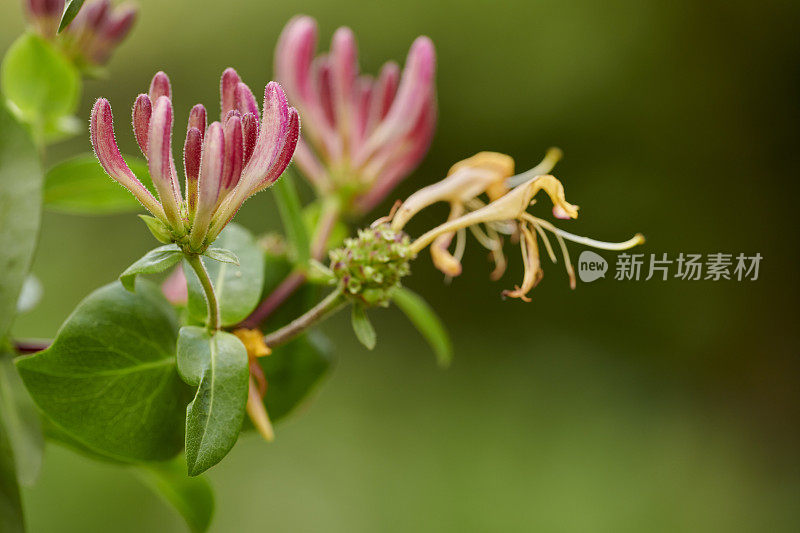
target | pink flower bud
[
  {"x": 107, "y": 152},
  {"x": 142, "y": 110},
  {"x": 159, "y": 158},
  {"x": 160, "y": 86}
]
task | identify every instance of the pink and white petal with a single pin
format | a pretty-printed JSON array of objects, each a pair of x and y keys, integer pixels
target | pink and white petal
[
  {"x": 234, "y": 155},
  {"x": 107, "y": 152},
  {"x": 160, "y": 161},
  {"x": 383, "y": 94},
  {"x": 344, "y": 72},
  {"x": 363, "y": 96},
  {"x": 408, "y": 156},
  {"x": 284, "y": 157},
  {"x": 209, "y": 182},
  {"x": 413, "y": 93},
  {"x": 270, "y": 136},
  {"x": 293, "y": 56},
  {"x": 245, "y": 101}
]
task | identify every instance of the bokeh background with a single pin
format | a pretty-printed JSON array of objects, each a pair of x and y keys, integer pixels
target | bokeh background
[{"x": 621, "y": 406}]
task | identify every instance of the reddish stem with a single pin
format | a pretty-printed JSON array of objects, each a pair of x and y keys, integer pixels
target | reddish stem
[{"x": 292, "y": 282}]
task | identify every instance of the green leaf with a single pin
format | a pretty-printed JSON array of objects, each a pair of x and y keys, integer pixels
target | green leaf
[
  {"x": 40, "y": 83},
  {"x": 108, "y": 382},
  {"x": 218, "y": 365},
  {"x": 191, "y": 496},
  {"x": 427, "y": 323},
  {"x": 158, "y": 229},
  {"x": 11, "y": 516},
  {"x": 80, "y": 186},
  {"x": 69, "y": 14},
  {"x": 222, "y": 255},
  {"x": 293, "y": 371},
  {"x": 237, "y": 287},
  {"x": 155, "y": 261},
  {"x": 21, "y": 421},
  {"x": 362, "y": 327},
  {"x": 20, "y": 212},
  {"x": 292, "y": 215}
]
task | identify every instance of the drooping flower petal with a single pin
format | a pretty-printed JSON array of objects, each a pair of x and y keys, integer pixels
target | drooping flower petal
[
  {"x": 532, "y": 265},
  {"x": 107, "y": 152},
  {"x": 142, "y": 110},
  {"x": 160, "y": 162}
]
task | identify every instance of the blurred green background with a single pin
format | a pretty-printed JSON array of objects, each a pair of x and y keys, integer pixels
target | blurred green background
[{"x": 621, "y": 406}]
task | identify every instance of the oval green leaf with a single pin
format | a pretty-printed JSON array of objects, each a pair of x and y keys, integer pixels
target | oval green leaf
[
  {"x": 109, "y": 382},
  {"x": 217, "y": 364},
  {"x": 362, "y": 327},
  {"x": 155, "y": 261},
  {"x": 40, "y": 83}
]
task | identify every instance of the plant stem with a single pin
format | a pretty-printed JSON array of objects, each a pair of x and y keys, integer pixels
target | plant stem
[
  {"x": 327, "y": 221},
  {"x": 332, "y": 303},
  {"x": 211, "y": 298}
]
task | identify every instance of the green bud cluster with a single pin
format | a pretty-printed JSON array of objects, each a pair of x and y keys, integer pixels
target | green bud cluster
[{"x": 370, "y": 266}]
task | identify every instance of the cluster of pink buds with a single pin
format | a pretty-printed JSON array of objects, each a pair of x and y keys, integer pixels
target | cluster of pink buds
[
  {"x": 225, "y": 162},
  {"x": 94, "y": 33},
  {"x": 361, "y": 135}
]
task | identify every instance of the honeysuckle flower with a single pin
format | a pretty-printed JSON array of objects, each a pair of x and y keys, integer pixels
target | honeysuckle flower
[
  {"x": 489, "y": 173},
  {"x": 225, "y": 162},
  {"x": 93, "y": 34},
  {"x": 362, "y": 135},
  {"x": 506, "y": 213}
]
